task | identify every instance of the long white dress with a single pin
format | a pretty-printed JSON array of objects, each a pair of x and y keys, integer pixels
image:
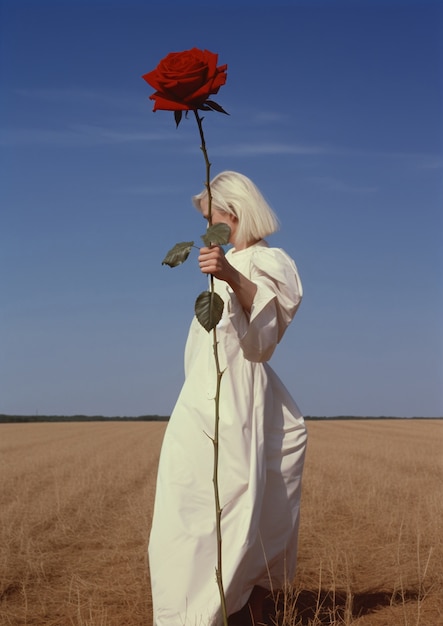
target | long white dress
[{"x": 262, "y": 446}]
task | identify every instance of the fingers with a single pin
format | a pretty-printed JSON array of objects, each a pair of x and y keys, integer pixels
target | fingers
[
  {"x": 213, "y": 250},
  {"x": 214, "y": 254},
  {"x": 211, "y": 260}
]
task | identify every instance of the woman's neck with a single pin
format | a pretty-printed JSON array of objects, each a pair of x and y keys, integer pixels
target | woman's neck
[{"x": 244, "y": 245}]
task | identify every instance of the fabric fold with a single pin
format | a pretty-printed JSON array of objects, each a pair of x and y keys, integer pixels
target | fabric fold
[{"x": 261, "y": 446}]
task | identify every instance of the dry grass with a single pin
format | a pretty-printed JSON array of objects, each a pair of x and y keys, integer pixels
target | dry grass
[
  {"x": 76, "y": 502},
  {"x": 371, "y": 534}
]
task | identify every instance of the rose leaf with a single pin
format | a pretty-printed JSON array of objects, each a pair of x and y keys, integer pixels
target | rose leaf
[
  {"x": 208, "y": 309},
  {"x": 178, "y": 254},
  {"x": 217, "y": 234}
]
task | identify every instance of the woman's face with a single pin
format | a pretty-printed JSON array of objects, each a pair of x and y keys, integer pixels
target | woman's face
[{"x": 220, "y": 217}]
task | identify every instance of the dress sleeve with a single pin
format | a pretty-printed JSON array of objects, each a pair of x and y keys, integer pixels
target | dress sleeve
[{"x": 279, "y": 293}]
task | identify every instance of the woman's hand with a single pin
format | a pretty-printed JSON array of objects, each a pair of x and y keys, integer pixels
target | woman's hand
[{"x": 213, "y": 261}]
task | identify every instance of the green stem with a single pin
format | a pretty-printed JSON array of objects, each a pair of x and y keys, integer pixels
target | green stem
[
  {"x": 215, "y": 440},
  {"x": 207, "y": 163}
]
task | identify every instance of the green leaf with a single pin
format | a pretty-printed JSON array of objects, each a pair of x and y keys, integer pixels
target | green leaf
[
  {"x": 178, "y": 254},
  {"x": 178, "y": 117},
  {"x": 216, "y": 107},
  {"x": 217, "y": 234},
  {"x": 209, "y": 309}
]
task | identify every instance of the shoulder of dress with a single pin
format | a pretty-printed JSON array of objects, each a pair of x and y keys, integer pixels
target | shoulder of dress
[
  {"x": 275, "y": 263},
  {"x": 263, "y": 253}
]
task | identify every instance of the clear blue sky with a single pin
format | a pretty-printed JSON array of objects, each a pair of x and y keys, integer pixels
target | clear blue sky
[{"x": 335, "y": 112}]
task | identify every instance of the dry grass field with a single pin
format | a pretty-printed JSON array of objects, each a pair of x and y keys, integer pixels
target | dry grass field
[{"x": 76, "y": 502}]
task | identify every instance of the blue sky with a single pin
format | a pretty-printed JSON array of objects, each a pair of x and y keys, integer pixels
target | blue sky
[{"x": 336, "y": 114}]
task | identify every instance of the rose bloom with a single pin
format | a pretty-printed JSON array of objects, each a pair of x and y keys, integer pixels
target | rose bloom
[{"x": 185, "y": 80}]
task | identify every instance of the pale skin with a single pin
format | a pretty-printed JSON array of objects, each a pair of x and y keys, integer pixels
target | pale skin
[{"x": 213, "y": 261}]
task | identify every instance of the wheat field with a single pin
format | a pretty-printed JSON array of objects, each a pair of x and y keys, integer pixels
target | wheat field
[{"x": 76, "y": 503}]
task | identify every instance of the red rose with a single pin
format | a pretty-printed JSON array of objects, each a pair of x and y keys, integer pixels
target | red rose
[{"x": 185, "y": 80}]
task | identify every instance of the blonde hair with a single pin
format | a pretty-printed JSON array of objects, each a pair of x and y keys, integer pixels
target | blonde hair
[{"x": 237, "y": 195}]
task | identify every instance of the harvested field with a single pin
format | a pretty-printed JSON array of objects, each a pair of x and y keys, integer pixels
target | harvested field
[{"x": 76, "y": 503}]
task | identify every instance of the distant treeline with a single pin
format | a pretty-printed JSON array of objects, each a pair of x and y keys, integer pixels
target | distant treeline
[
  {"x": 80, "y": 418},
  {"x": 4, "y": 419},
  {"x": 368, "y": 417}
]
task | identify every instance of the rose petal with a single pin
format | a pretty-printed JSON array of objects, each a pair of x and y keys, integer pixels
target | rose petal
[{"x": 164, "y": 104}]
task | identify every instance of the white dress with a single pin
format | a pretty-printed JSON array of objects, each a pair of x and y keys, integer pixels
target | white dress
[{"x": 262, "y": 446}]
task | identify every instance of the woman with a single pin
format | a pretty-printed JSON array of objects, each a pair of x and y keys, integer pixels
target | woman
[{"x": 262, "y": 433}]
